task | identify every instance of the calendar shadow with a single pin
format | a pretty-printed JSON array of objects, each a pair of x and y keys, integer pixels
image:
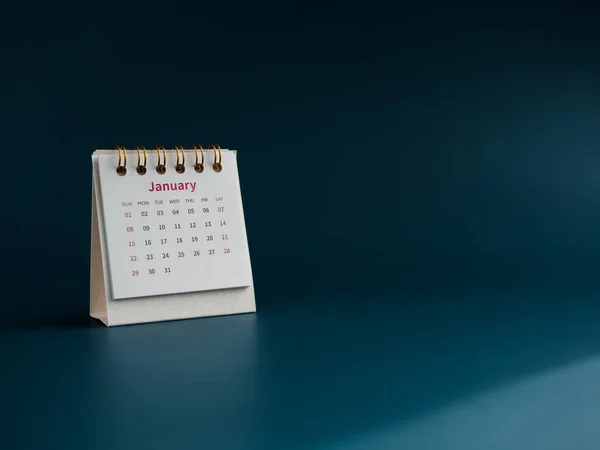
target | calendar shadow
[{"x": 55, "y": 324}]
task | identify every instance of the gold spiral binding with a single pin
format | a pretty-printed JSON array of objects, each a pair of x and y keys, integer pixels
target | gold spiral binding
[
  {"x": 141, "y": 168},
  {"x": 217, "y": 166},
  {"x": 121, "y": 169},
  {"x": 161, "y": 167},
  {"x": 199, "y": 166},
  {"x": 179, "y": 165}
]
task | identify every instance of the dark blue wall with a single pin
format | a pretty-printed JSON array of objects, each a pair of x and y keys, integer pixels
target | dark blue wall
[{"x": 381, "y": 149}]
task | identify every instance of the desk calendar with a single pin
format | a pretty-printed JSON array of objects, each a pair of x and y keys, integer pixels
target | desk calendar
[{"x": 168, "y": 236}]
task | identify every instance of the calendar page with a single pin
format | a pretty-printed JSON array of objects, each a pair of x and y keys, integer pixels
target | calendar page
[{"x": 175, "y": 232}]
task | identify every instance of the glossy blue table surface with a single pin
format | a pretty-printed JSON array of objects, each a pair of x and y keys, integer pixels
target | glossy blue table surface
[{"x": 477, "y": 370}]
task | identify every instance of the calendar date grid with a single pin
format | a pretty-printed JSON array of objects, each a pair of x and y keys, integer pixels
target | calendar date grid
[{"x": 199, "y": 224}]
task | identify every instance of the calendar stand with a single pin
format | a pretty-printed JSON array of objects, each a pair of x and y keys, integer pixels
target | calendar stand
[{"x": 110, "y": 257}]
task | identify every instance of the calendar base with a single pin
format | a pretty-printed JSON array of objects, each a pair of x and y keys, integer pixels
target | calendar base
[{"x": 175, "y": 307}]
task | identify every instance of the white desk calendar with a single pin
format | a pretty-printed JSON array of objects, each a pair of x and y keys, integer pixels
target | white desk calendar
[{"x": 168, "y": 236}]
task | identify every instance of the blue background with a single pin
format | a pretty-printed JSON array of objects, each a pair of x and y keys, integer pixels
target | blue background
[{"x": 421, "y": 187}]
